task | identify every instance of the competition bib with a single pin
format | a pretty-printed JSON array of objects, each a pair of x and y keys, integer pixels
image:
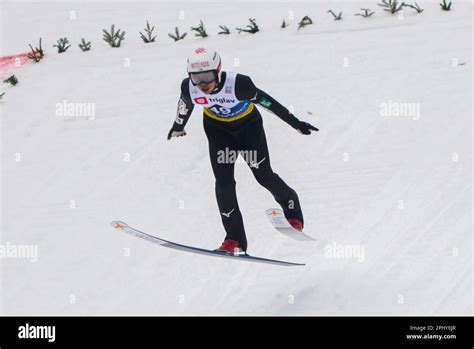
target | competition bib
[{"x": 224, "y": 105}]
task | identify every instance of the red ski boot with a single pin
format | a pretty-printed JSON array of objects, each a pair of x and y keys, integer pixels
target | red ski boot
[
  {"x": 231, "y": 246},
  {"x": 296, "y": 223}
]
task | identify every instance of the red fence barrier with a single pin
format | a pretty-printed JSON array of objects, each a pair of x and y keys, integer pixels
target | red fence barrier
[{"x": 14, "y": 60}]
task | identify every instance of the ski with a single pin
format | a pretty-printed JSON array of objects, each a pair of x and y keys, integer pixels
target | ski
[
  {"x": 122, "y": 226},
  {"x": 278, "y": 220}
]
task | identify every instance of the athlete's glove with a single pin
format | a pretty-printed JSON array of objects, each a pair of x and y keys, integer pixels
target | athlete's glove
[
  {"x": 305, "y": 128},
  {"x": 174, "y": 133}
]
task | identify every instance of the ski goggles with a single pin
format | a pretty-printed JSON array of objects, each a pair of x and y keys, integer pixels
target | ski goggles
[{"x": 205, "y": 77}]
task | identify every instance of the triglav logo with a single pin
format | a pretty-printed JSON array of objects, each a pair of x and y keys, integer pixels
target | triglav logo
[
  {"x": 200, "y": 100},
  {"x": 37, "y": 332},
  {"x": 221, "y": 100}
]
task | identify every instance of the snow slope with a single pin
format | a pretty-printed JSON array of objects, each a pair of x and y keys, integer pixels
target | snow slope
[{"x": 397, "y": 188}]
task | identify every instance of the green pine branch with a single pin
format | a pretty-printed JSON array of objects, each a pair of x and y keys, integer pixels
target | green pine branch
[
  {"x": 36, "y": 53},
  {"x": 336, "y": 18},
  {"x": 85, "y": 46},
  {"x": 306, "y": 20},
  {"x": 12, "y": 80},
  {"x": 224, "y": 30},
  {"x": 445, "y": 6},
  {"x": 176, "y": 36},
  {"x": 149, "y": 34},
  {"x": 62, "y": 45},
  {"x": 367, "y": 12},
  {"x": 113, "y": 38},
  {"x": 251, "y": 28},
  {"x": 200, "y": 31}
]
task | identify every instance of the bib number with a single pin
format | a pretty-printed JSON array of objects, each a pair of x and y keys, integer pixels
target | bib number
[{"x": 220, "y": 110}]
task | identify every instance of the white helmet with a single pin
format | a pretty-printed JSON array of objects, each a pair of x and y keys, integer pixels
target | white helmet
[{"x": 204, "y": 60}]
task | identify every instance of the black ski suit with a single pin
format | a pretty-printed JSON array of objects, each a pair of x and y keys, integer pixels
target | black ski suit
[{"x": 247, "y": 137}]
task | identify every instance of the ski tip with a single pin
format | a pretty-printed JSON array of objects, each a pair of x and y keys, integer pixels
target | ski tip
[
  {"x": 119, "y": 225},
  {"x": 272, "y": 212}
]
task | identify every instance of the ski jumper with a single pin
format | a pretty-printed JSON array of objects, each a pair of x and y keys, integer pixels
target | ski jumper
[{"x": 233, "y": 125}]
